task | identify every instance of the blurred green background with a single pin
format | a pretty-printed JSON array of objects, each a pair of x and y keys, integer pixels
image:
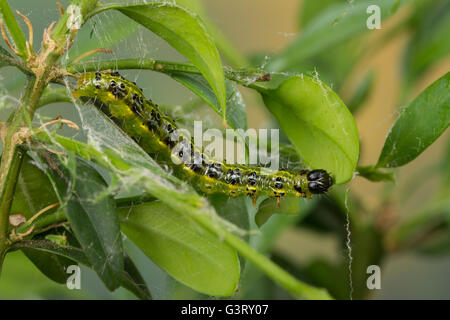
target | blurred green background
[{"x": 398, "y": 61}]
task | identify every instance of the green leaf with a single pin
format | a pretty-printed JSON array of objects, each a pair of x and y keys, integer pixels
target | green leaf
[
  {"x": 419, "y": 125},
  {"x": 14, "y": 29},
  {"x": 131, "y": 278},
  {"x": 191, "y": 255},
  {"x": 269, "y": 207},
  {"x": 70, "y": 252},
  {"x": 93, "y": 218},
  {"x": 133, "y": 281},
  {"x": 33, "y": 193},
  {"x": 235, "y": 211},
  {"x": 289, "y": 158},
  {"x": 317, "y": 123},
  {"x": 187, "y": 34},
  {"x": 34, "y": 190},
  {"x": 52, "y": 265},
  {"x": 236, "y": 115},
  {"x": 334, "y": 25},
  {"x": 374, "y": 174}
]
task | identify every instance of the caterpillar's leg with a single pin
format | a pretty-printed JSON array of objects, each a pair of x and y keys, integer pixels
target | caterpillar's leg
[{"x": 254, "y": 202}]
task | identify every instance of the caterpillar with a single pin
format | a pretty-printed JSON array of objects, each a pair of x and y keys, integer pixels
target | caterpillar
[{"x": 124, "y": 103}]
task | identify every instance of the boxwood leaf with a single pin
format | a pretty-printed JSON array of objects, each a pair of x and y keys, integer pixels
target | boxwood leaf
[
  {"x": 131, "y": 278},
  {"x": 71, "y": 252},
  {"x": 34, "y": 192},
  {"x": 193, "y": 256},
  {"x": 419, "y": 125},
  {"x": 317, "y": 123},
  {"x": 94, "y": 221},
  {"x": 52, "y": 265}
]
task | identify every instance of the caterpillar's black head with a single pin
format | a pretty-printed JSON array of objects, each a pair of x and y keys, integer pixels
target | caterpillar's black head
[{"x": 319, "y": 181}]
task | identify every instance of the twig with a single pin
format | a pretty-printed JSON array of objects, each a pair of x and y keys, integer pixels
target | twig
[
  {"x": 56, "y": 225},
  {"x": 40, "y": 212},
  {"x": 86, "y": 54},
  {"x": 30, "y": 28},
  {"x": 61, "y": 9},
  {"x": 67, "y": 122}
]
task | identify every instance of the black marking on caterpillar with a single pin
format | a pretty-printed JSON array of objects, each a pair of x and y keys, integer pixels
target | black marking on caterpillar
[{"x": 156, "y": 133}]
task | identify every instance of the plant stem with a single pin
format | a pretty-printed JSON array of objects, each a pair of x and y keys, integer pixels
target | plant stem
[
  {"x": 241, "y": 76},
  {"x": 11, "y": 158},
  {"x": 54, "y": 95},
  {"x": 10, "y": 165},
  {"x": 7, "y": 196},
  {"x": 44, "y": 221}
]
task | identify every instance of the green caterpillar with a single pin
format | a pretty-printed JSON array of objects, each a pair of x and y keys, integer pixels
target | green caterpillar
[{"x": 124, "y": 102}]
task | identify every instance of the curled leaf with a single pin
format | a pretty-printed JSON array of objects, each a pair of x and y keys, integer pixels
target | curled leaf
[{"x": 317, "y": 123}]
